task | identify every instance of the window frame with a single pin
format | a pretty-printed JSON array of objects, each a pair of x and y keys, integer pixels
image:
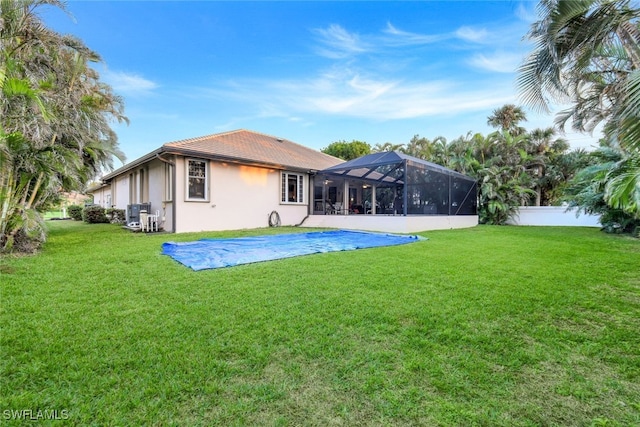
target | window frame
[
  {"x": 300, "y": 192},
  {"x": 188, "y": 177}
]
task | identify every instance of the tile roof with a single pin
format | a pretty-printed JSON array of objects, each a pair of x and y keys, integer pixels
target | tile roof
[{"x": 253, "y": 147}]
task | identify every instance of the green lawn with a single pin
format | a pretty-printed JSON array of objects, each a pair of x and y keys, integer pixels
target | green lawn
[{"x": 492, "y": 326}]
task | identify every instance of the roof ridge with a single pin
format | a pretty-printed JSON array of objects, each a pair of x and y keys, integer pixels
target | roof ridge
[
  {"x": 291, "y": 142},
  {"x": 198, "y": 138},
  {"x": 216, "y": 135}
]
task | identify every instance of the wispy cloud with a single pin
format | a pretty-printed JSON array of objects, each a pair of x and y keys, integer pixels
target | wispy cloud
[
  {"x": 381, "y": 99},
  {"x": 526, "y": 12},
  {"x": 336, "y": 42},
  {"x": 351, "y": 93},
  {"x": 472, "y": 35},
  {"x": 499, "y": 62},
  {"x": 400, "y": 37},
  {"x": 129, "y": 84}
]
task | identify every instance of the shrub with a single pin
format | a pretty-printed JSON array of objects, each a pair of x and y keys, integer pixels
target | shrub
[
  {"x": 94, "y": 214},
  {"x": 75, "y": 212},
  {"x": 116, "y": 216},
  {"x": 617, "y": 221}
]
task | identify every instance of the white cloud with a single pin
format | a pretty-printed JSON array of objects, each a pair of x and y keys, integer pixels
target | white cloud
[
  {"x": 399, "y": 37},
  {"x": 500, "y": 62},
  {"x": 129, "y": 84},
  {"x": 526, "y": 12},
  {"x": 353, "y": 94},
  {"x": 472, "y": 35},
  {"x": 339, "y": 43}
]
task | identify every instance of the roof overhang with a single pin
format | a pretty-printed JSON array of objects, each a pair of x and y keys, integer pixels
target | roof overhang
[
  {"x": 200, "y": 155},
  {"x": 234, "y": 160}
]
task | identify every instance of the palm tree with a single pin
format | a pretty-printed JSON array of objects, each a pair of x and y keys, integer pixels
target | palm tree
[
  {"x": 387, "y": 146},
  {"x": 587, "y": 190},
  {"x": 543, "y": 148},
  {"x": 507, "y": 118},
  {"x": 588, "y": 53},
  {"x": 55, "y": 116},
  {"x": 421, "y": 148},
  {"x": 622, "y": 189},
  {"x": 463, "y": 154}
]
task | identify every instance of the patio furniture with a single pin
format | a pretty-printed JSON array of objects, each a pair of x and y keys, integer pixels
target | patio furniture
[
  {"x": 149, "y": 222},
  {"x": 144, "y": 220},
  {"x": 153, "y": 221}
]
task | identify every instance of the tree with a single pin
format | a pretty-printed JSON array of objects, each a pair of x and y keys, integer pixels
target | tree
[
  {"x": 587, "y": 54},
  {"x": 419, "y": 147},
  {"x": 347, "y": 150},
  {"x": 543, "y": 148},
  {"x": 55, "y": 117},
  {"x": 505, "y": 182},
  {"x": 507, "y": 118},
  {"x": 587, "y": 190},
  {"x": 387, "y": 146}
]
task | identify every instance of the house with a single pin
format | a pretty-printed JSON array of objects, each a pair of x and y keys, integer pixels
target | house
[
  {"x": 242, "y": 179},
  {"x": 225, "y": 181}
]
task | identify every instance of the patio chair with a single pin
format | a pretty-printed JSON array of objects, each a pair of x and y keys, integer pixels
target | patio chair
[
  {"x": 153, "y": 221},
  {"x": 144, "y": 220},
  {"x": 329, "y": 209}
]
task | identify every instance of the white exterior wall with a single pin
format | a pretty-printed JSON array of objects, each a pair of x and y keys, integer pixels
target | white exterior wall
[
  {"x": 392, "y": 224},
  {"x": 552, "y": 216},
  {"x": 155, "y": 192},
  {"x": 120, "y": 186},
  {"x": 102, "y": 197},
  {"x": 239, "y": 197}
]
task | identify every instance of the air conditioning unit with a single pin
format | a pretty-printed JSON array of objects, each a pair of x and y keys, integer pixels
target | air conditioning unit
[{"x": 133, "y": 211}]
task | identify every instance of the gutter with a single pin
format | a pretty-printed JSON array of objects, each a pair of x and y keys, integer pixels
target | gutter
[{"x": 132, "y": 165}]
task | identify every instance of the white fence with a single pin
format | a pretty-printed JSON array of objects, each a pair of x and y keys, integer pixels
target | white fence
[{"x": 553, "y": 215}]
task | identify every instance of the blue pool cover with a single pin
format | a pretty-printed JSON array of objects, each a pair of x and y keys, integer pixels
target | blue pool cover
[{"x": 215, "y": 253}]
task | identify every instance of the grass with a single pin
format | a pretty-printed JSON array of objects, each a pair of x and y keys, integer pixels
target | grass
[{"x": 495, "y": 326}]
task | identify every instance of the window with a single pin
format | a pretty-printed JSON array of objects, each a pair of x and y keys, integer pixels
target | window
[
  {"x": 292, "y": 188},
  {"x": 197, "y": 188}
]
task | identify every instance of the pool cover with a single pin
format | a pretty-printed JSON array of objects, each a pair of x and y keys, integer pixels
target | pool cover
[{"x": 215, "y": 253}]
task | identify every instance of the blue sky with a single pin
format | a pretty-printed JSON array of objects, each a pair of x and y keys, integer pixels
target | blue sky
[{"x": 311, "y": 72}]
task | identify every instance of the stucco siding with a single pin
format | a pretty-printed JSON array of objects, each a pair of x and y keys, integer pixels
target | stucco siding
[
  {"x": 239, "y": 197},
  {"x": 553, "y": 216},
  {"x": 102, "y": 197},
  {"x": 155, "y": 173},
  {"x": 121, "y": 187},
  {"x": 392, "y": 224}
]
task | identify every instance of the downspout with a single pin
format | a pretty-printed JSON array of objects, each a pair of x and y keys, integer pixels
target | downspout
[
  {"x": 173, "y": 192},
  {"x": 311, "y": 194}
]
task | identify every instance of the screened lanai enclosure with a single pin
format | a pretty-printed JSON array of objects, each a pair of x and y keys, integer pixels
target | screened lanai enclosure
[{"x": 393, "y": 184}]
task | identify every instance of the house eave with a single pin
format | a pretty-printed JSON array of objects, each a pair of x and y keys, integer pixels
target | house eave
[
  {"x": 238, "y": 160},
  {"x": 199, "y": 154},
  {"x": 131, "y": 165}
]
